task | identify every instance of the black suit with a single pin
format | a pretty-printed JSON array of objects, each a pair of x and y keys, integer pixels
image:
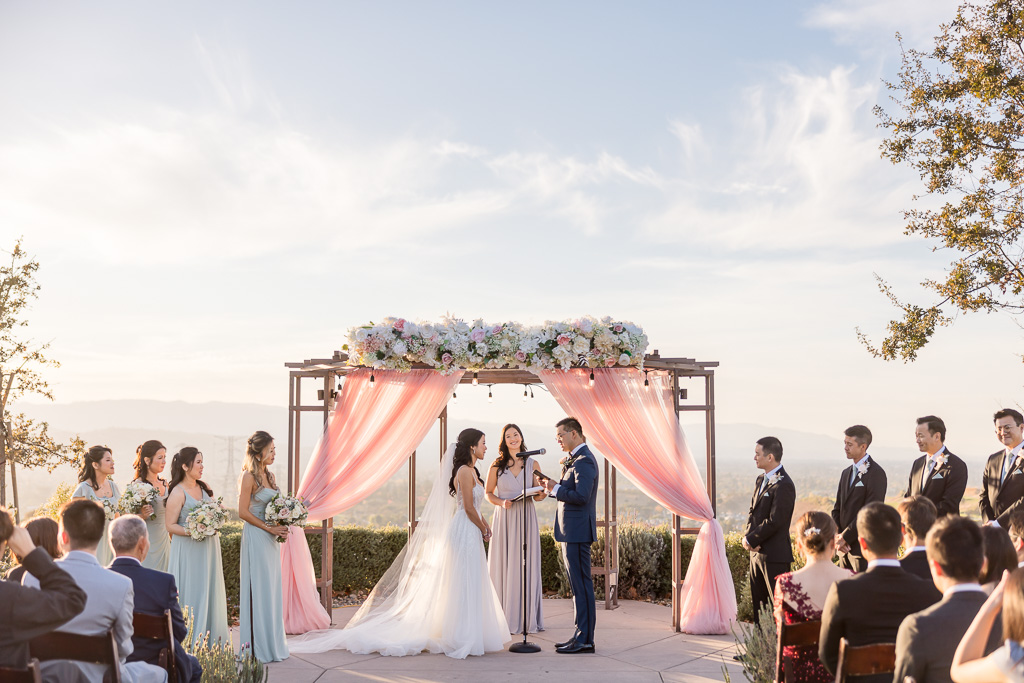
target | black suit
[
  {"x": 155, "y": 592},
  {"x": 999, "y": 500},
  {"x": 866, "y": 488},
  {"x": 771, "y": 512},
  {"x": 29, "y": 612},
  {"x": 927, "y": 640},
  {"x": 868, "y": 608},
  {"x": 916, "y": 563},
  {"x": 945, "y": 486}
]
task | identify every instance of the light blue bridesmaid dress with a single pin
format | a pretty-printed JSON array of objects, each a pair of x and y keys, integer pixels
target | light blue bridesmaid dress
[
  {"x": 261, "y": 612},
  {"x": 159, "y": 541},
  {"x": 199, "y": 574},
  {"x": 104, "y": 553}
]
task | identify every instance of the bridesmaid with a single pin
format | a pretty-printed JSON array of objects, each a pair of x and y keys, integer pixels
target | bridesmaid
[
  {"x": 261, "y": 611},
  {"x": 95, "y": 483},
  {"x": 505, "y": 556},
  {"x": 196, "y": 565},
  {"x": 150, "y": 461}
]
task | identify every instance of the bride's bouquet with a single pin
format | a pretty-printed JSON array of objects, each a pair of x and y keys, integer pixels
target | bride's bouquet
[
  {"x": 137, "y": 495},
  {"x": 286, "y": 511},
  {"x": 206, "y": 519}
]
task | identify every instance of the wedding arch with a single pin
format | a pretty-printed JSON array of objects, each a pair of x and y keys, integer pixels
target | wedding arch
[{"x": 378, "y": 397}]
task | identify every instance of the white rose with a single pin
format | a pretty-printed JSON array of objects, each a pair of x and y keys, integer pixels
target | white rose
[
  {"x": 400, "y": 349},
  {"x": 581, "y": 345},
  {"x": 625, "y": 359}
]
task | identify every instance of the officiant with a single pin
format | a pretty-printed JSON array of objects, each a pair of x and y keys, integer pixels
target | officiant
[{"x": 504, "y": 489}]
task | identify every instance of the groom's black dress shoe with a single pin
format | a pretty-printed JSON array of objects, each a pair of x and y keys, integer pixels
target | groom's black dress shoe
[
  {"x": 575, "y": 649},
  {"x": 565, "y": 644}
]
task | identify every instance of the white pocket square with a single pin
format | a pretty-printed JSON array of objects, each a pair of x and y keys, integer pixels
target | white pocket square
[
  {"x": 937, "y": 475},
  {"x": 765, "y": 494},
  {"x": 859, "y": 483}
]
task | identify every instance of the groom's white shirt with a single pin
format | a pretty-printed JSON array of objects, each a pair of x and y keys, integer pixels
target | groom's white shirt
[{"x": 554, "y": 489}]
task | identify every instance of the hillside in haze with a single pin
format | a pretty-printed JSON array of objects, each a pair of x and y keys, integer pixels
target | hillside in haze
[{"x": 220, "y": 431}]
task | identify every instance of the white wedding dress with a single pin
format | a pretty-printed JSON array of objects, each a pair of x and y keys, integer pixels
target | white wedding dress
[{"x": 436, "y": 597}]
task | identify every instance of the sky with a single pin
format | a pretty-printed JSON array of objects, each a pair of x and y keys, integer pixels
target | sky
[{"x": 213, "y": 189}]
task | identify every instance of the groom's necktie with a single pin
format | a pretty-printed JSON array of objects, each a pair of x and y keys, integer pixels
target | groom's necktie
[{"x": 1011, "y": 462}]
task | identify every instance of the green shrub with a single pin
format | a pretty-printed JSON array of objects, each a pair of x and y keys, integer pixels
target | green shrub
[
  {"x": 757, "y": 645},
  {"x": 219, "y": 662}
]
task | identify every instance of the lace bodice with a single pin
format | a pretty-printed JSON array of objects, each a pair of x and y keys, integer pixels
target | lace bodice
[{"x": 478, "y": 497}]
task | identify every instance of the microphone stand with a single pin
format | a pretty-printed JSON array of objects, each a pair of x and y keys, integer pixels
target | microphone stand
[{"x": 526, "y": 645}]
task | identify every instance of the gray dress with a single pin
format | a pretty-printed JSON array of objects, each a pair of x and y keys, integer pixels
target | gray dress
[{"x": 505, "y": 554}]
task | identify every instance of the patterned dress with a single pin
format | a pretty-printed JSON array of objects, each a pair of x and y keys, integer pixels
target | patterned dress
[{"x": 792, "y": 606}]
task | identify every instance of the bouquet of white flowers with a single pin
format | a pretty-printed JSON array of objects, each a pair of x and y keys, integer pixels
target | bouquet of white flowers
[
  {"x": 108, "y": 509},
  {"x": 287, "y": 511},
  {"x": 206, "y": 519},
  {"x": 137, "y": 495}
]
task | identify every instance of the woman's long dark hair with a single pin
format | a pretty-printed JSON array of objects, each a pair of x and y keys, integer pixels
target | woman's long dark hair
[
  {"x": 505, "y": 459},
  {"x": 87, "y": 472},
  {"x": 467, "y": 439},
  {"x": 186, "y": 457},
  {"x": 1013, "y": 606},
  {"x": 146, "y": 450}
]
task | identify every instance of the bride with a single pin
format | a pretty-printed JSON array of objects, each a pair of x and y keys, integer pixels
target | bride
[{"x": 437, "y": 594}]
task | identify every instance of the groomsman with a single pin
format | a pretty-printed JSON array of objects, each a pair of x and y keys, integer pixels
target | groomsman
[
  {"x": 937, "y": 475},
  {"x": 766, "y": 536},
  {"x": 861, "y": 483},
  {"x": 1002, "y": 487}
]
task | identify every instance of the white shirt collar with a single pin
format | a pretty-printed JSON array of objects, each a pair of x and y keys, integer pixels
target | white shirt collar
[
  {"x": 937, "y": 453},
  {"x": 862, "y": 460},
  {"x": 1016, "y": 449},
  {"x": 771, "y": 472},
  {"x": 916, "y": 548},
  {"x": 883, "y": 563},
  {"x": 129, "y": 557},
  {"x": 573, "y": 451},
  {"x": 962, "y": 588}
]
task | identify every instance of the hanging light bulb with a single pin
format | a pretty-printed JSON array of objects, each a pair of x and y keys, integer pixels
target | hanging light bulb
[
  {"x": 524, "y": 393},
  {"x": 490, "y": 396},
  {"x": 591, "y": 378},
  {"x": 476, "y": 379},
  {"x": 455, "y": 398},
  {"x": 647, "y": 382},
  {"x": 531, "y": 392},
  {"x": 373, "y": 382}
]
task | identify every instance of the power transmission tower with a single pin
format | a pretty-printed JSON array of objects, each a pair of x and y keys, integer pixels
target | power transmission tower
[{"x": 229, "y": 472}]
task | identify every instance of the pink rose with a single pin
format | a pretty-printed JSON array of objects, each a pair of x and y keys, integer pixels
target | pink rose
[
  {"x": 521, "y": 356},
  {"x": 564, "y": 339},
  {"x": 617, "y": 328},
  {"x": 400, "y": 324},
  {"x": 447, "y": 358},
  {"x": 496, "y": 330},
  {"x": 477, "y": 335},
  {"x": 609, "y": 361}
]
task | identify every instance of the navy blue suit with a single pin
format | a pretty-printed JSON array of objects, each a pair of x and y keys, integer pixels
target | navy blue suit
[
  {"x": 576, "y": 528},
  {"x": 155, "y": 592}
]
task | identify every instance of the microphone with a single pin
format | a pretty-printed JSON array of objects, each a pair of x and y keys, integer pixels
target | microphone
[{"x": 526, "y": 454}]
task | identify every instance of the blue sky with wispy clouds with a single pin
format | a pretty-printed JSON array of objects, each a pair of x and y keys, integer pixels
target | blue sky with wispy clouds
[{"x": 216, "y": 188}]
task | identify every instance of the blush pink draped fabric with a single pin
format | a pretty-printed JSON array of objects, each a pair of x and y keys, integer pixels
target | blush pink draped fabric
[
  {"x": 637, "y": 430},
  {"x": 371, "y": 433}
]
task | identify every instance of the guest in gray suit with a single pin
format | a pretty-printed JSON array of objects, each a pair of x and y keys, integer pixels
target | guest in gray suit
[
  {"x": 927, "y": 640},
  {"x": 110, "y": 599}
]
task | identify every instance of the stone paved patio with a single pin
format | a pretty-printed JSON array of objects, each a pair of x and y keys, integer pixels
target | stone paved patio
[{"x": 635, "y": 644}]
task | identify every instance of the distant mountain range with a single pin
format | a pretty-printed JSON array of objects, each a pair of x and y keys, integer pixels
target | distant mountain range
[{"x": 220, "y": 429}]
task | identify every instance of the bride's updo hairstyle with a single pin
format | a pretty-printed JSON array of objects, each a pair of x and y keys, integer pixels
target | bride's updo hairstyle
[
  {"x": 185, "y": 458},
  {"x": 467, "y": 439},
  {"x": 814, "y": 530}
]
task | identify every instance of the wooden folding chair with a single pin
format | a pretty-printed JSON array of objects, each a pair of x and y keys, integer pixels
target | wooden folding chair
[
  {"x": 804, "y": 634},
  {"x": 864, "y": 660},
  {"x": 29, "y": 675},
  {"x": 162, "y": 629},
  {"x": 79, "y": 648}
]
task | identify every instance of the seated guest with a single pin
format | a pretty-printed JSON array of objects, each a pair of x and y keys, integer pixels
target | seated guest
[
  {"x": 155, "y": 592},
  {"x": 43, "y": 532},
  {"x": 110, "y": 598},
  {"x": 800, "y": 595},
  {"x": 917, "y": 515},
  {"x": 1016, "y": 530},
  {"x": 1000, "y": 556},
  {"x": 26, "y": 613},
  {"x": 868, "y": 608},
  {"x": 970, "y": 664},
  {"x": 926, "y": 640}
]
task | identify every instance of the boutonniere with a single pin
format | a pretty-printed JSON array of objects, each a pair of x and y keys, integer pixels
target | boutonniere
[
  {"x": 940, "y": 460},
  {"x": 774, "y": 479},
  {"x": 863, "y": 467}
]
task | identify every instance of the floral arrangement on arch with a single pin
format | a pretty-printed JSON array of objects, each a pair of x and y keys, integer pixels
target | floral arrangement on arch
[{"x": 397, "y": 344}]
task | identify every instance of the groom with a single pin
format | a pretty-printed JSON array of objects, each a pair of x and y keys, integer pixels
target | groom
[{"x": 576, "y": 529}]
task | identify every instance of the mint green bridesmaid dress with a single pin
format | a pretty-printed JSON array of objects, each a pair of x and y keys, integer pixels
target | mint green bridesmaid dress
[
  {"x": 159, "y": 541},
  {"x": 104, "y": 553},
  {"x": 199, "y": 574},
  {"x": 261, "y": 612}
]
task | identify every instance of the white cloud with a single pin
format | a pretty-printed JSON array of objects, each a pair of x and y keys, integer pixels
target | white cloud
[{"x": 875, "y": 21}]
